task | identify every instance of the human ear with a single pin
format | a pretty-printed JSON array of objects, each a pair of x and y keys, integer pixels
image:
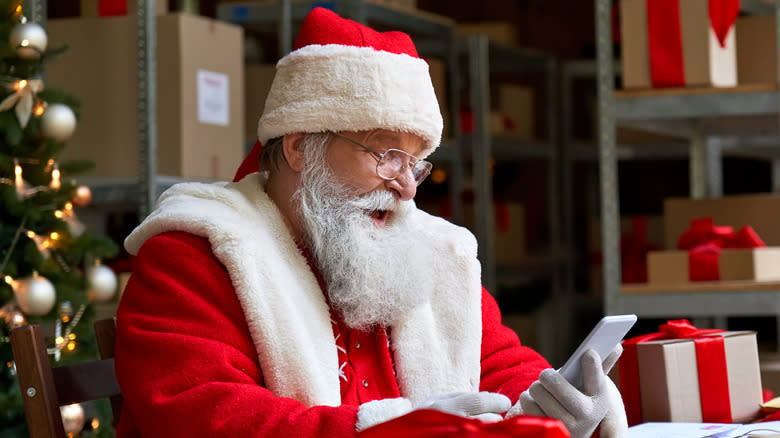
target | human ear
[{"x": 291, "y": 144}]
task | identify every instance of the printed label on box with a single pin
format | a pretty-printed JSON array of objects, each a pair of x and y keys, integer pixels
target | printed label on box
[{"x": 213, "y": 100}]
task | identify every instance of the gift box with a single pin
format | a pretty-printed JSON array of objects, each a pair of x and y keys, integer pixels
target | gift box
[
  {"x": 756, "y": 49},
  {"x": 760, "y": 211},
  {"x": 200, "y": 94},
  {"x": 715, "y": 253},
  {"x": 685, "y": 374},
  {"x": 678, "y": 43}
]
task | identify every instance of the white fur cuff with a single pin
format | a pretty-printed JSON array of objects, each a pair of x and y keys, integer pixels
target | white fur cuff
[{"x": 379, "y": 411}]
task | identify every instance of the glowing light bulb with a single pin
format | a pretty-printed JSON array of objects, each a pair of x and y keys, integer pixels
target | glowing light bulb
[
  {"x": 54, "y": 235},
  {"x": 31, "y": 234},
  {"x": 71, "y": 346},
  {"x": 23, "y": 83},
  {"x": 68, "y": 206},
  {"x": 59, "y": 214},
  {"x": 59, "y": 340},
  {"x": 55, "y": 178}
]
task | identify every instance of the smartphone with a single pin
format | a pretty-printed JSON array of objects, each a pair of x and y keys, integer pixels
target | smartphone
[{"x": 603, "y": 338}]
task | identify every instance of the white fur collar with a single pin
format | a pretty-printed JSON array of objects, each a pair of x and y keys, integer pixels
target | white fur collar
[{"x": 435, "y": 350}]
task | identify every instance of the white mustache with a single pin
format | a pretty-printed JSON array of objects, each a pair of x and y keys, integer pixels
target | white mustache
[{"x": 378, "y": 200}]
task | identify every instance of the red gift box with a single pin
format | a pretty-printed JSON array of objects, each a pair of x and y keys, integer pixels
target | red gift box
[
  {"x": 683, "y": 373},
  {"x": 437, "y": 424}
]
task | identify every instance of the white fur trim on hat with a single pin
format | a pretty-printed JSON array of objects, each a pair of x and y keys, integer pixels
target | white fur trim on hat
[{"x": 334, "y": 87}]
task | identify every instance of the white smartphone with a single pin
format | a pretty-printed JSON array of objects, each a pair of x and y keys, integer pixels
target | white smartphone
[{"x": 603, "y": 338}]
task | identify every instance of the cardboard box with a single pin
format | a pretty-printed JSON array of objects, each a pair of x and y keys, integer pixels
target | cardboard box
[
  {"x": 257, "y": 83},
  {"x": 517, "y": 103},
  {"x": 760, "y": 211},
  {"x": 669, "y": 382},
  {"x": 755, "y": 264},
  {"x": 756, "y": 49},
  {"x": 90, "y": 8},
  {"x": 200, "y": 94},
  {"x": 705, "y": 62},
  {"x": 501, "y": 32}
]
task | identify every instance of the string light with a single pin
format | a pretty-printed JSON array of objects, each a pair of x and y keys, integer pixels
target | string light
[
  {"x": 59, "y": 214},
  {"x": 54, "y": 235},
  {"x": 22, "y": 83},
  {"x": 55, "y": 183},
  {"x": 18, "y": 180}
]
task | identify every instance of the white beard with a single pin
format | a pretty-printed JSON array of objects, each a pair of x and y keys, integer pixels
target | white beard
[{"x": 374, "y": 275}]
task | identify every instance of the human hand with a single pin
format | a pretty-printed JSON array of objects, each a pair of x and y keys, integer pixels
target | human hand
[
  {"x": 580, "y": 411},
  {"x": 485, "y": 406}
]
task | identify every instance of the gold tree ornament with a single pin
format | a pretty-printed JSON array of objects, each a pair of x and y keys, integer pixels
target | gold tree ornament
[
  {"x": 58, "y": 121},
  {"x": 102, "y": 283},
  {"x": 35, "y": 295},
  {"x": 28, "y": 39},
  {"x": 82, "y": 195}
]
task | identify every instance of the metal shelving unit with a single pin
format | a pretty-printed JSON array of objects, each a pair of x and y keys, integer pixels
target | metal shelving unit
[
  {"x": 713, "y": 120},
  {"x": 483, "y": 59}
]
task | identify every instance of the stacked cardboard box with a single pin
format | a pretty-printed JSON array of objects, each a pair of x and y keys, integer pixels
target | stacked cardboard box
[
  {"x": 761, "y": 212},
  {"x": 704, "y": 63},
  {"x": 200, "y": 89}
]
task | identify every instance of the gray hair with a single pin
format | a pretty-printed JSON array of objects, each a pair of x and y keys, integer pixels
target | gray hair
[{"x": 273, "y": 151}]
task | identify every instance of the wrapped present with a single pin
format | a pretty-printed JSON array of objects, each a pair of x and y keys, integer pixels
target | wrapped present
[
  {"x": 685, "y": 374},
  {"x": 715, "y": 253},
  {"x": 674, "y": 43},
  {"x": 437, "y": 424}
]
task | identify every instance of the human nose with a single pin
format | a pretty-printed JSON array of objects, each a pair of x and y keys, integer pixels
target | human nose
[{"x": 404, "y": 185}]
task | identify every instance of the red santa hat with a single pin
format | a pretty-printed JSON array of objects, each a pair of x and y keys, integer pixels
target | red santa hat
[{"x": 344, "y": 76}]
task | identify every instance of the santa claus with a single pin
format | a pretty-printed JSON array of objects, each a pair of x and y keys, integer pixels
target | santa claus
[{"x": 310, "y": 297}]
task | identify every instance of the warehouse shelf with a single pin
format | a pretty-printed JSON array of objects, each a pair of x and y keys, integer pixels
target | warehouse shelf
[
  {"x": 714, "y": 121},
  {"x": 106, "y": 190}
]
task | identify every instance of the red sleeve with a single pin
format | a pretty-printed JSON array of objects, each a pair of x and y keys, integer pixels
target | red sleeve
[
  {"x": 185, "y": 360},
  {"x": 508, "y": 367}
]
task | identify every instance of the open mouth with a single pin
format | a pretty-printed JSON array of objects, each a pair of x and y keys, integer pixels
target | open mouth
[{"x": 380, "y": 216}]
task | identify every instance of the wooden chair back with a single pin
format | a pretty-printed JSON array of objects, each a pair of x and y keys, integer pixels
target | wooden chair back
[{"x": 46, "y": 388}]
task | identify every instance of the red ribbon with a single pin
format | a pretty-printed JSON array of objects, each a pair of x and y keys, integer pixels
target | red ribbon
[
  {"x": 110, "y": 8},
  {"x": 665, "y": 43},
  {"x": 713, "y": 376},
  {"x": 437, "y": 424},
  {"x": 704, "y": 242},
  {"x": 664, "y": 34}
]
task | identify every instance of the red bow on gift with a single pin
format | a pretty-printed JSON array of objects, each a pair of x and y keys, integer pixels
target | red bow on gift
[
  {"x": 713, "y": 378},
  {"x": 704, "y": 242},
  {"x": 437, "y": 424}
]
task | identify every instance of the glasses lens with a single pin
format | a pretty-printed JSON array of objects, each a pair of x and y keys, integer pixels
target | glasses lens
[
  {"x": 389, "y": 167},
  {"x": 421, "y": 171}
]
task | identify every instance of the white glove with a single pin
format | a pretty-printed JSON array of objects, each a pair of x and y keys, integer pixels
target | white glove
[
  {"x": 581, "y": 412},
  {"x": 485, "y": 406}
]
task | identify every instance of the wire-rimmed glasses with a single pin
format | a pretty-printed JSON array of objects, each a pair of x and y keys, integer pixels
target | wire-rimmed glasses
[{"x": 391, "y": 163}]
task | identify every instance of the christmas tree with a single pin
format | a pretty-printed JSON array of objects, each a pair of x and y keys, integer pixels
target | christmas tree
[{"x": 50, "y": 268}]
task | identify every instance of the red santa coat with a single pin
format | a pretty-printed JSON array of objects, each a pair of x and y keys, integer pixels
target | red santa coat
[{"x": 229, "y": 334}]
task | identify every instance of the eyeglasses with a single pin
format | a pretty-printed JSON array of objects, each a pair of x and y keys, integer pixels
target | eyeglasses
[{"x": 393, "y": 162}]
